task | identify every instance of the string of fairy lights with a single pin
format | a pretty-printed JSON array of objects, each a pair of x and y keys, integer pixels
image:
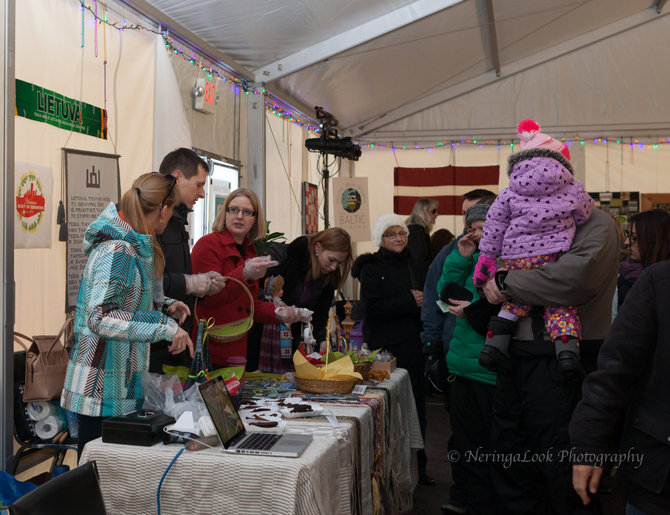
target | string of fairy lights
[
  {"x": 633, "y": 143},
  {"x": 99, "y": 11}
]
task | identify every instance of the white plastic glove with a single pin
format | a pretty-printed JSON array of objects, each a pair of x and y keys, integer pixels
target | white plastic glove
[
  {"x": 197, "y": 284},
  {"x": 305, "y": 314},
  {"x": 217, "y": 282},
  {"x": 291, "y": 314},
  {"x": 255, "y": 268}
]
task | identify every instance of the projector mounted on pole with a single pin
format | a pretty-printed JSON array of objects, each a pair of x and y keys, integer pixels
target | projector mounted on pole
[{"x": 330, "y": 143}]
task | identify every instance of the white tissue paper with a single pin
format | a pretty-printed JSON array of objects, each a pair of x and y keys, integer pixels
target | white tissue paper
[
  {"x": 49, "y": 427},
  {"x": 39, "y": 410}
]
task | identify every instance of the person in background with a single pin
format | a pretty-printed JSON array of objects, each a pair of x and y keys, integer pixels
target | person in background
[
  {"x": 648, "y": 242},
  {"x": 229, "y": 250},
  {"x": 420, "y": 224},
  {"x": 632, "y": 381},
  {"x": 116, "y": 317},
  {"x": 314, "y": 267},
  {"x": 179, "y": 282},
  {"x": 623, "y": 254},
  {"x": 533, "y": 403},
  {"x": 391, "y": 301},
  {"x": 440, "y": 239},
  {"x": 472, "y": 386},
  {"x": 437, "y": 332}
]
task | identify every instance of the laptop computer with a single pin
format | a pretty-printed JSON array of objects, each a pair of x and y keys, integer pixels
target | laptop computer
[{"x": 232, "y": 433}]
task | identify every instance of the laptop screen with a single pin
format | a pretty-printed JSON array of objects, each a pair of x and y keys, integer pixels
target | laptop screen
[{"x": 220, "y": 406}]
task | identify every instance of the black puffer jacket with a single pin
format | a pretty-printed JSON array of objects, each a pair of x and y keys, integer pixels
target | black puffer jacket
[
  {"x": 295, "y": 269},
  {"x": 174, "y": 243},
  {"x": 391, "y": 317},
  {"x": 633, "y": 374}
]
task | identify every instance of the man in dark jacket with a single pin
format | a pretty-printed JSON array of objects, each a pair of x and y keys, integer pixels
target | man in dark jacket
[
  {"x": 534, "y": 402},
  {"x": 190, "y": 173},
  {"x": 632, "y": 378}
]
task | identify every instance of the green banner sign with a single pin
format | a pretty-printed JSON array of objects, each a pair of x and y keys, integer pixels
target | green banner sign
[{"x": 40, "y": 104}]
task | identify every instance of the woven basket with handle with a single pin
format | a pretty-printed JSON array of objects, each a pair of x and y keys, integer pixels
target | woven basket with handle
[{"x": 231, "y": 331}]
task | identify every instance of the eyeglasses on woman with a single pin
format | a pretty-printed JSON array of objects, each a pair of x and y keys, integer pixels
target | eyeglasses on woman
[{"x": 236, "y": 211}]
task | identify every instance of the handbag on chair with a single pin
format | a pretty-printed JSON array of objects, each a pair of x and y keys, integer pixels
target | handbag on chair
[{"x": 46, "y": 364}]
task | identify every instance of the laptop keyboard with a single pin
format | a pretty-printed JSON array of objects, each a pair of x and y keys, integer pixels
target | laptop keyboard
[{"x": 259, "y": 441}]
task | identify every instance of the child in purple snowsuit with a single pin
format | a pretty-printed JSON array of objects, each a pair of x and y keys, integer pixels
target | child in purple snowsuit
[{"x": 531, "y": 223}]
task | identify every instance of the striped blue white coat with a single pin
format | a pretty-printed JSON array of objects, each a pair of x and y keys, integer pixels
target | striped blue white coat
[{"x": 116, "y": 320}]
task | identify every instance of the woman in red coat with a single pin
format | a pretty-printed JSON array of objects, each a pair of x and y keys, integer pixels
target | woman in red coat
[{"x": 229, "y": 250}]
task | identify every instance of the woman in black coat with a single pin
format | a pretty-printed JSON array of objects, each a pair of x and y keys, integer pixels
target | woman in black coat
[
  {"x": 314, "y": 267},
  {"x": 391, "y": 298}
]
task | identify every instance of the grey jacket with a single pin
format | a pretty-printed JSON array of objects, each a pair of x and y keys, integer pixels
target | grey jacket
[{"x": 585, "y": 276}]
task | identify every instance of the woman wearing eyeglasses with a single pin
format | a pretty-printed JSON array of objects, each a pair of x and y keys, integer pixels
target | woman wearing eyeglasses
[
  {"x": 117, "y": 317},
  {"x": 420, "y": 223},
  {"x": 391, "y": 299},
  {"x": 229, "y": 250},
  {"x": 648, "y": 242}
]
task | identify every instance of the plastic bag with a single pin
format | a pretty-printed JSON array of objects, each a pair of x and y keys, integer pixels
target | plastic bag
[
  {"x": 11, "y": 488},
  {"x": 164, "y": 392}
]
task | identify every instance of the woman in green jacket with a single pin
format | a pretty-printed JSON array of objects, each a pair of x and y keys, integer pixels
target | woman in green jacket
[{"x": 473, "y": 385}]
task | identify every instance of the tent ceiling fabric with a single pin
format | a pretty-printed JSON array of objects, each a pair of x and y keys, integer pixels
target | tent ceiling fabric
[{"x": 399, "y": 68}]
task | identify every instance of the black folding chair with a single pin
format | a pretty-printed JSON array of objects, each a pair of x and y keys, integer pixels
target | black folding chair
[{"x": 76, "y": 492}]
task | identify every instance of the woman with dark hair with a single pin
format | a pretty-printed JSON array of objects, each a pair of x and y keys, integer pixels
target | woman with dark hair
[
  {"x": 648, "y": 242},
  {"x": 117, "y": 317},
  {"x": 440, "y": 239},
  {"x": 229, "y": 250},
  {"x": 314, "y": 267},
  {"x": 419, "y": 224}
]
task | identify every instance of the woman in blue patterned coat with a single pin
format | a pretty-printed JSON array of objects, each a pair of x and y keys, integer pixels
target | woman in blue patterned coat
[{"x": 117, "y": 317}]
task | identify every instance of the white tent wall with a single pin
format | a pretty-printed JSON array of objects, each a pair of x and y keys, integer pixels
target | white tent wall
[
  {"x": 646, "y": 170},
  {"x": 213, "y": 133},
  {"x": 146, "y": 120},
  {"x": 624, "y": 167},
  {"x": 288, "y": 164},
  {"x": 378, "y": 164},
  {"x": 621, "y": 81},
  {"x": 49, "y": 54},
  {"x": 171, "y": 126}
]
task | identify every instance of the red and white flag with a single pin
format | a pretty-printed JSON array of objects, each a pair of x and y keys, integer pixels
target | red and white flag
[{"x": 446, "y": 184}]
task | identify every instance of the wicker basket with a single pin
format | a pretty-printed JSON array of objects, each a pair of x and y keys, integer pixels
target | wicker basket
[
  {"x": 232, "y": 331},
  {"x": 325, "y": 385},
  {"x": 363, "y": 369}
]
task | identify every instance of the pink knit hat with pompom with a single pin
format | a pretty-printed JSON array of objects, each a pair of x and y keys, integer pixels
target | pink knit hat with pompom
[{"x": 531, "y": 137}]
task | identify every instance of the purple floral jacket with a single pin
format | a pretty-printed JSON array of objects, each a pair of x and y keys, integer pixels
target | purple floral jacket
[{"x": 539, "y": 212}]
